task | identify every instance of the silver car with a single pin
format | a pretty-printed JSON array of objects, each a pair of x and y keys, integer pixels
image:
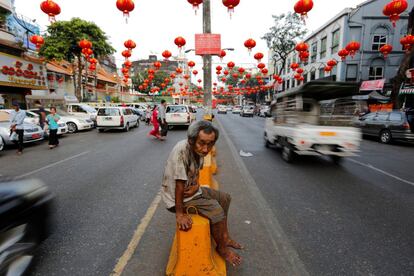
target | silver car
[{"x": 32, "y": 132}]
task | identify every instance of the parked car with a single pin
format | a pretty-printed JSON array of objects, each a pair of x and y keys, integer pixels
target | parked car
[
  {"x": 221, "y": 109},
  {"x": 237, "y": 109},
  {"x": 1, "y": 144},
  {"x": 25, "y": 207},
  {"x": 32, "y": 132},
  {"x": 247, "y": 111},
  {"x": 116, "y": 118},
  {"x": 34, "y": 118},
  {"x": 388, "y": 126},
  {"x": 177, "y": 115},
  {"x": 139, "y": 113},
  {"x": 31, "y": 117},
  {"x": 229, "y": 108},
  {"x": 82, "y": 110},
  {"x": 264, "y": 111}
]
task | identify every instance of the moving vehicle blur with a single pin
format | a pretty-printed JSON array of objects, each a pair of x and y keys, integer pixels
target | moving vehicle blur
[
  {"x": 180, "y": 115},
  {"x": 247, "y": 111},
  {"x": 221, "y": 109}
]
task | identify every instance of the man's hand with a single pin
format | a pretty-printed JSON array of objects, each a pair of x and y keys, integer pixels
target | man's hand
[
  {"x": 190, "y": 191},
  {"x": 184, "y": 222}
]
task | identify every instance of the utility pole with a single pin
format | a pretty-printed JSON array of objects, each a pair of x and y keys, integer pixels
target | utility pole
[{"x": 207, "y": 61}]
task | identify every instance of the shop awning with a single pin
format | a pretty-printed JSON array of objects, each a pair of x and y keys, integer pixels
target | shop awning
[{"x": 58, "y": 68}]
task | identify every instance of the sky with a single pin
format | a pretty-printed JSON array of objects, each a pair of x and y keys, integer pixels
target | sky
[{"x": 154, "y": 24}]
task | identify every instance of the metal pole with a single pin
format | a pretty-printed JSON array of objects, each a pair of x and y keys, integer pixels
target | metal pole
[{"x": 207, "y": 59}]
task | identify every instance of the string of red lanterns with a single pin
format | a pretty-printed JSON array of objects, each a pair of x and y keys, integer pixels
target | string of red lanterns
[
  {"x": 51, "y": 8},
  {"x": 393, "y": 10},
  {"x": 125, "y": 6}
]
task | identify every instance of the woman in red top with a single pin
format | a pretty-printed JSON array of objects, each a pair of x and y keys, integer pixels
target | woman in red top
[{"x": 154, "y": 120}]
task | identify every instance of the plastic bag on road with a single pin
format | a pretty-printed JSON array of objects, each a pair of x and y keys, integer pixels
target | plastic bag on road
[{"x": 245, "y": 154}]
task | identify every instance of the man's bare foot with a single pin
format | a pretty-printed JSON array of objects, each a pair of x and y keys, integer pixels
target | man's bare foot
[
  {"x": 234, "y": 244},
  {"x": 230, "y": 256}
]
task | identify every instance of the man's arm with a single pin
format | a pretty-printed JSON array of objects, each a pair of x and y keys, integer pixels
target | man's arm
[{"x": 183, "y": 220}]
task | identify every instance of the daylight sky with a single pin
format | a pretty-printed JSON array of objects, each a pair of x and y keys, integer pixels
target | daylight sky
[{"x": 154, "y": 24}]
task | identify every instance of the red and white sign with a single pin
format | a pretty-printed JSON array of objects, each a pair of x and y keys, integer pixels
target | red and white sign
[
  {"x": 208, "y": 44},
  {"x": 372, "y": 85},
  {"x": 410, "y": 74}
]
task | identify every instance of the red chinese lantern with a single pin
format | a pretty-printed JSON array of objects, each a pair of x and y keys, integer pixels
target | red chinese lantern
[
  {"x": 343, "y": 54},
  {"x": 241, "y": 70},
  {"x": 128, "y": 64},
  {"x": 173, "y": 76},
  {"x": 87, "y": 52},
  {"x": 294, "y": 66},
  {"x": 226, "y": 72},
  {"x": 51, "y": 9},
  {"x": 265, "y": 71},
  {"x": 218, "y": 72},
  {"x": 157, "y": 65},
  {"x": 166, "y": 54},
  {"x": 223, "y": 79},
  {"x": 297, "y": 76},
  {"x": 125, "y": 70},
  {"x": 248, "y": 76},
  {"x": 332, "y": 63},
  {"x": 126, "y": 54},
  {"x": 302, "y": 47},
  {"x": 304, "y": 56},
  {"x": 85, "y": 44},
  {"x": 327, "y": 69},
  {"x": 353, "y": 47},
  {"x": 129, "y": 44},
  {"x": 195, "y": 4},
  {"x": 299, "y": 71},
  {"x": 125, "y": 6},
  {"x": 250, "y": 44},
  {"x": 261, "y": 66},
  {"x": 92, "y": 67},
  {"x": 191, "y": 64},
  {"x": 235, "y": 76},
  {"x": 219, "y": 68},
  {"x": 180, "y": 42},
  {"x": 407, "y": 42},
  {"x": 179, "y": 70},
  {"x": 37, "y": 40},
  {"x": 258, "y": 57},
  {"x": 302, "y": 7},
  {"x": 231, "y": 64},
  {"x": 195, "y": 72},
  {"x": 231, "y": 4},
  {"x": 199, "y": 81},
  {"x": 394, "y": 9},
  {"x": 386, "y": 50},
  {"x": 93, "y": 61}
]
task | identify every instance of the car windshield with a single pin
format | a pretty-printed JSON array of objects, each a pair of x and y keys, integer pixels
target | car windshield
[
  {"x": 108, "y": 112},
  {"x": 62, "y": 112},
  {"x": 89, "y": 109},
  {"x": 4, "y": 116},
  {"x": 176, "y": 109}
]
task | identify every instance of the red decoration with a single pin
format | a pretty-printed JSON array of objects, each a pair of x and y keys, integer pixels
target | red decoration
[
  {"x": 231, "y": 4},
  {"x": 166, "y": 54},
  {"x": 191, "y": 64},
  {"x": 407, "y": 42},
  {"x": 302, "y": 47},
  {"x": 157, "y": 65},
  {"x": 394, "y": 9},
  {"x": 353, "y": 47},
  {"x": 195, "y": 4},
  {"x": 226, "y": 72},
  {"x": 299, "y": 71},
  {"x": 258, "y": 57},
  {"x": 261, "y": 66},
  {"x": 37, "y": 40},
  {"x": 87, "y": 52},
  {"x": 265, "y": 71},
  {"x": 125, "y": 6},
  {"x": 195, "y": 72},
  {"x": 304, "y": 56},
  {"x": 219, "y": 68},
  {"x": 180, "y": 42},
  {"x": 129, "y": 44},
  {"x": 222, "y": 54},
  {"x": 386, "y": 50},
  {"x": 250, "y": 44},
  {"x": 50, "y": 8},
  {"x": 248, "y": 76},
  {"x": 294, "y": 66},
  {"x": 85, "y": 44},
  {"x": 126, "y": 54},
  {"x": 93, "y": 61},
  {"x": 179, "y": 70},
  {"x": 235, "y": 75},
  {"x": 231, "y": 64},
  {"x": 343, "y": 54},
  {"x": 302, "y": 7},
  {"x": 327, "y": 69},
  {"x": 332, "y": 63},
  {"x": 128, "y": 64},
  {"x": 241, "y": 70}
]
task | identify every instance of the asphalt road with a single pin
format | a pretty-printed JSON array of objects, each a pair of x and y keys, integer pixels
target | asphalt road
[{"x": 352, "y": 219}]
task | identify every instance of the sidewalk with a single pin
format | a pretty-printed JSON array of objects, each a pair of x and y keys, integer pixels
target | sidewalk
[{"x": 251, "y": 222}]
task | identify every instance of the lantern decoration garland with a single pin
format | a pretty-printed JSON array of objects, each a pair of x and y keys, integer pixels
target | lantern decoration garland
[
  {"x": 343, "y": 54},
  {"x": 166, "y": 54},
  {"x": 258, "y": 57},
  {"x": 37, "y": 40},
  {"x": 226, "y": 72},
  {"x": 261, "y": 66},
  {"x": 241, "y": 70},
  {"x": 302, "y": 7},
  {"x": 353, "y": 47},
  {"x": 180, "y": 42},
  {"x": 304, "y": 56},
  {"x": 407, "y": 42},
  {"x": 125, "y": 6},
  {"x": 386, "y": 50},
  {"x": 231, "y": 65},
  {"x": 128, "y": 64},
  {"x": 219, "y": 68},
  {"x": 157, "y": 65},
  {"x": 85, "y": 44},
  {"x": 126, "y": 54},
  {"x": 299, "y": 71},
  {"x": 265, "y": 71},
  {"x": 222, "y": 54},
  {"x": 191, "y": 64},
  {"x": 195, "y": 72},
  {"x": 294, "y": 66},
  {"x": 327, "y": 68},
  {"x": 250, "y": 44},
  {"x": 179, "y": 70},
  {"x": 195, "y": 4},
  {"x": 302, "y": 47},
  {"x": 231, "y": 4},
  {"x": 332, "y": 63},
  {"x": 130, "y": 44},
  {"x": 393, "y": 10},
  {"x": 51, "y": 9}
]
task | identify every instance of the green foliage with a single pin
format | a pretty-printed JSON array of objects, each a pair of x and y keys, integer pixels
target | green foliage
[
  {"x": 159, "y": 78},
  {"x": 61, "y": 41},
  {"x": 115, "y": 99},
  {"x": 288, "y": 29}
]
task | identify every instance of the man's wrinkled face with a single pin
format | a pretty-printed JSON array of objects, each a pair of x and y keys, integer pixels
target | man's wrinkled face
[{"x": 204, "y": 143}]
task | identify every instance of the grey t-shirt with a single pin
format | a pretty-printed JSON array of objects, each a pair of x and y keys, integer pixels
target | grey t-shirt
[
  {"x": 161, "y": 112},
  {"x": 182, "y": 164}
]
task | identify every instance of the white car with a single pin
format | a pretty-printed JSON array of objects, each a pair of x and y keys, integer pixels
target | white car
[
  {"x": 116, "y": 118},
  {"x": 82, "y": 110},
  {"x": 180, "y": 115},
  {"x": 247, "y": 111},
  {"x": 73, "y": 123},
  {"x": 221, "y": 109},
  {"x": 1, "y": 144},
  {"x": 264, "y": 111},
  {"x": 237, "y": 109}
]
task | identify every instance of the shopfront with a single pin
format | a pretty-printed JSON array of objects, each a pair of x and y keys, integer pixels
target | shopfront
[{"x": 18, "y": 77}]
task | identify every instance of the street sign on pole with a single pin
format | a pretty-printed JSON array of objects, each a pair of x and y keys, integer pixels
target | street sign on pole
[{"x": 208, "y": 44}]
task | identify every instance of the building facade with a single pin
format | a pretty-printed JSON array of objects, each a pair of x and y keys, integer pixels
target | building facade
[{"x": 365, "y": 24}]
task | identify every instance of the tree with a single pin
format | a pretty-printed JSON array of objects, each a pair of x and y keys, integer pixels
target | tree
[
  {"x": 282, "y": 37},
  {"x": 159, "y": 78},
  {"x": 61, "y": 43},
  {"x": 404, "y": 66}
]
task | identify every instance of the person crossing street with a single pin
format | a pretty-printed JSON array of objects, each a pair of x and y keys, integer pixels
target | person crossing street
[
  {"x": 52, "y": 121},
  {"x": 162, "y": 119},
  {"x": 16, "y": 126}
]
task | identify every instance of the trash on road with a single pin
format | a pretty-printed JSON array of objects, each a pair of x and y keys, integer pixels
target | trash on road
[{"x": 245, "y": 154}]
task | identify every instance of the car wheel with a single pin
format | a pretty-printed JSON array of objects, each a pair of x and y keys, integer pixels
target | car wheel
[
  {"x": 101, "y": 130},
  {"x": 288, "y": 154},
  {"x": 72, "y": 127},
  {"x": 2, "y": 144},
  {"x": 336, "y": 159},
  {"x": 385, "y": 136},
  {"x": 126, "y": 129}
]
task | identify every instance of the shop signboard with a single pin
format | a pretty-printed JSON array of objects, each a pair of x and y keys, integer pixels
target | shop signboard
[
  {"x": 372, "y": 85},
  {"x": 18, "y": 72}
]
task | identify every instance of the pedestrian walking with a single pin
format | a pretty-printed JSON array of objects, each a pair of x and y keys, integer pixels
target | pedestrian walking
[
  {"x": 148, "y": 114},
  {"x": 42, "y": 113},
  {"x": 162, "y": 119},
  {"x": 156, "y": 130},
  {"x": 181, "y": 188},
  {"x": 52, "y": 121},
  {"x": 16, "y": 126}
]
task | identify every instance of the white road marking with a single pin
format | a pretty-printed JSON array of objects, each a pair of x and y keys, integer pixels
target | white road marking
[
  {"x": 139, "y": 232},
  {"x": 381, "y": 171},
  {"x": 53, "y": 164}
]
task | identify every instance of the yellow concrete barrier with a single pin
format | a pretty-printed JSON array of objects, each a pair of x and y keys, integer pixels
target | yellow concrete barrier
[
  {"x": 208, "y": 117},
  {"x": 192, "y": 253}
]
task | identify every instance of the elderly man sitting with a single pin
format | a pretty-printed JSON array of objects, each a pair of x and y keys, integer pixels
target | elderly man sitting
[{"x": 180, "y": 188}]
